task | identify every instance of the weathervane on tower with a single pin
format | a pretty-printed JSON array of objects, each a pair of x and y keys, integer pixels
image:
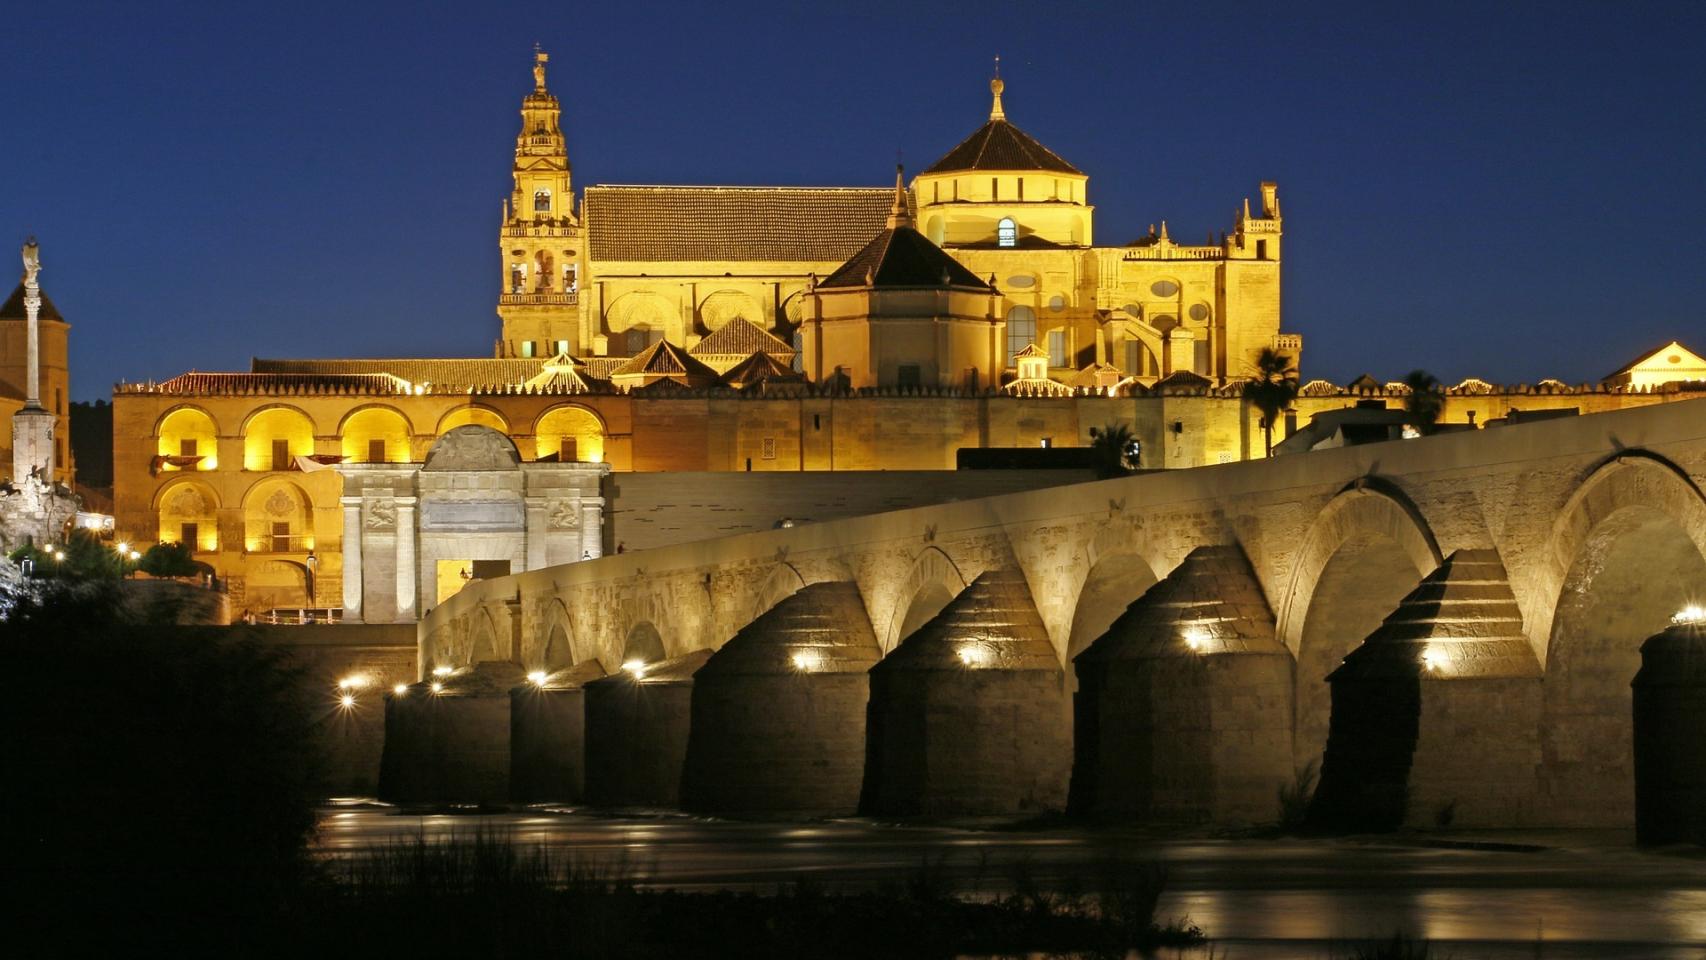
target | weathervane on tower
[{"x": 995, "y": 87}]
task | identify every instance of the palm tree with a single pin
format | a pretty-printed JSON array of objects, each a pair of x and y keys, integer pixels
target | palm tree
[
  {"x": 1271, "y": 390},
  {"x": 1113, "y": 450},
  {"x": 1425, "y": 402}
]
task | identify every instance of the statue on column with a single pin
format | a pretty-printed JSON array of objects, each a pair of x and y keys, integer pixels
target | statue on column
[{"x": 32, "y": 262}]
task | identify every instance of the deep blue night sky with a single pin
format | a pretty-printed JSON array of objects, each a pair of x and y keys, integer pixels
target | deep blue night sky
[{"x": 1513, "y": 193}]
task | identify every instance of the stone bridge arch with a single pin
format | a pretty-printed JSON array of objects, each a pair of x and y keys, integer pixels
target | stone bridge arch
[
  {"x": 487, "y": 642},
  {"x": 1627, "y": 552},
  {"x": 643, "y": 643},
  {"x": 933, "y": 581},
  {"x": 555, "y": 640},
  {"x": 1120, "y": 565},
  {"x": 1366, "y": 549},
  {"x": 782, "y": 583}
]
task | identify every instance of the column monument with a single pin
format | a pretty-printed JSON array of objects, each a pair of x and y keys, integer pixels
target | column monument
[
  {"x": 32, "y": 426},
  {"x": 32, "y": 506}
]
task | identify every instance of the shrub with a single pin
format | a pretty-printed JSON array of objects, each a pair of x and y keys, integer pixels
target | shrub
[
  {"x": 1295, "y": 797},
  {"x": 169, "y": 560},
  {"x": 157, "y": 778}
]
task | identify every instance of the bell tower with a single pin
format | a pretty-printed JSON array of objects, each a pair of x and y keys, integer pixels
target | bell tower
[{"x": 540, "y": 240}]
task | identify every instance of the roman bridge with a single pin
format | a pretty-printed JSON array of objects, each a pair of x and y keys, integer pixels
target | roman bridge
[{"x": 1158, "y": 644}]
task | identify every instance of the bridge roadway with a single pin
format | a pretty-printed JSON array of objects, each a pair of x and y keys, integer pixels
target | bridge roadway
[{"x": 1496, "y": 584}]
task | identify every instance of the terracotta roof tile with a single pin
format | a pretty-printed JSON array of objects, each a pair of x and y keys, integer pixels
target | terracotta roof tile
[
  {"x": 825, "y": 224},
  {"x": 760, "y": 368},
  {"x": 238, "y": 384},
  {"x": 666, "y": 360},
  {"x": 741, "y": 337},
  {"x": 453, "y": 374}
]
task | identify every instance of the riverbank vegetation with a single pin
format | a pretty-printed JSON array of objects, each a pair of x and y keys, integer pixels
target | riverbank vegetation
[{"x": 160, "y": 799}]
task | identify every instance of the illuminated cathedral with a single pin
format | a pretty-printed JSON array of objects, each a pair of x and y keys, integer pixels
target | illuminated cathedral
[{"x": 740, "y": 328}]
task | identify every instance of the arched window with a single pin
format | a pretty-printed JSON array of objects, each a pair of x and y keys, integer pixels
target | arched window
[
  {"x": 1021, "y": 330},
  {"x": 569, "y": 433},
  {"x": 544, "y": 261},
  {"x": 1006, "y": 232},
  {"x": 640, "y": 337},
  {"x": 541, "y": 201}
]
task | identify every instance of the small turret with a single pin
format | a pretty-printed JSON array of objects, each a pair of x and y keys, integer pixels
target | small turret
[{"x": 900, "y": 214}]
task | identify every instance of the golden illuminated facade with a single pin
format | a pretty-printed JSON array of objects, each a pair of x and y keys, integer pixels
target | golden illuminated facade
[
  {"x": 688, "y": 329},
  {"x": 639, "y": 264}
]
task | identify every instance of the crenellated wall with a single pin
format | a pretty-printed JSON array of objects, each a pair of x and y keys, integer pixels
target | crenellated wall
[{"x": 1599, "y": 521}]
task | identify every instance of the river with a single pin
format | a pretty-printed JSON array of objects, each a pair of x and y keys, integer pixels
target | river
[{"x": 1556, "y": 895}]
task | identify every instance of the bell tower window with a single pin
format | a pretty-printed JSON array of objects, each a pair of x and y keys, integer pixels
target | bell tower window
[
  {"x": 1006, "y": 232},
  {"x": 541, "y": 201}
]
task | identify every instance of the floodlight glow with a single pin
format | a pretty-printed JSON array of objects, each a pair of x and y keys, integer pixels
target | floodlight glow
[
  {"x": 400, "y": 689},
  {"x": 438, "y": 688},
  {"x": 1433, "y": 659},
  {"x": 356, "y": 681},
  {"x": 443, "y": 671},
  {"x": 1196, "y": 638},
  {"x": 346, "y": 701},
  {"x": 135, "y": 555},
  {"x": 123, "y": 548},
  {"x": 537, "y": 678},
  {"x": 973, "y": 655},
  {"x": 807, "y": 660},
  {"x": 635, "y": 667},
  {"x": 1693, "y": 613}
]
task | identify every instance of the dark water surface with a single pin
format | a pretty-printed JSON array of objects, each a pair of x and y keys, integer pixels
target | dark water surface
[{"x": 1554, "y": 895}]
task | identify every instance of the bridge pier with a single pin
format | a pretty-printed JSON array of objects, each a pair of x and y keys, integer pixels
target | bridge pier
[
  {"x": 547, "y": 736},
  {"x": 637, "y": 723},
  {"x": 1436, "y": 716},
  {"x": 1670, "y": 736},
  {"x": 778, "y": 714},
  {"x": 969, "y": 714},
  {"x": 451, "y": 744},
  {"x": 1183, "y": 710}
]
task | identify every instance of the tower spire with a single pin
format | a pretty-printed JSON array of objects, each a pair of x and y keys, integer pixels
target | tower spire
[
  {"x": 899, "y": 214},
  {"x": 995, "y": 87}
]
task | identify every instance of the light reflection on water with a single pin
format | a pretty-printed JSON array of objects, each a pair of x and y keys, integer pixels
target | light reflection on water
[{"x": 1258, "y": 898}]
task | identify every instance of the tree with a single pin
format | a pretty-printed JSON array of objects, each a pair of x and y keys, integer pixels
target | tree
[
  {"x": 1114, "y": 451},
  {"x": 1271, "y": 390},
  {"x": 158, "y": 777},
  {"x": 1425, "y": 402},
  {"x": 169, "y": 560}
]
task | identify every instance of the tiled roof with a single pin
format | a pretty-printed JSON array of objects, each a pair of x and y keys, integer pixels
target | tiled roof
[
  {"x": 741, "y": 337},
  {"x": 903, "y": 257},
  {"x": 13, "y": 308},
  {"x": 665, "y": 359},
  {"x": 1643, "y": 358},
  {"x": 238, "y": 384},
  {"x": 823, "y": 224},
  {"x": 760, "y": 368},
  {"x": 558, "y": 375},
  {"x": 998, "y": 145},
  {"x": 454, "y": 374}
]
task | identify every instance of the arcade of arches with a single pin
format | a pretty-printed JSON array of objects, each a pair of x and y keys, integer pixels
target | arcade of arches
[{"x": 1595, "y": 538}]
